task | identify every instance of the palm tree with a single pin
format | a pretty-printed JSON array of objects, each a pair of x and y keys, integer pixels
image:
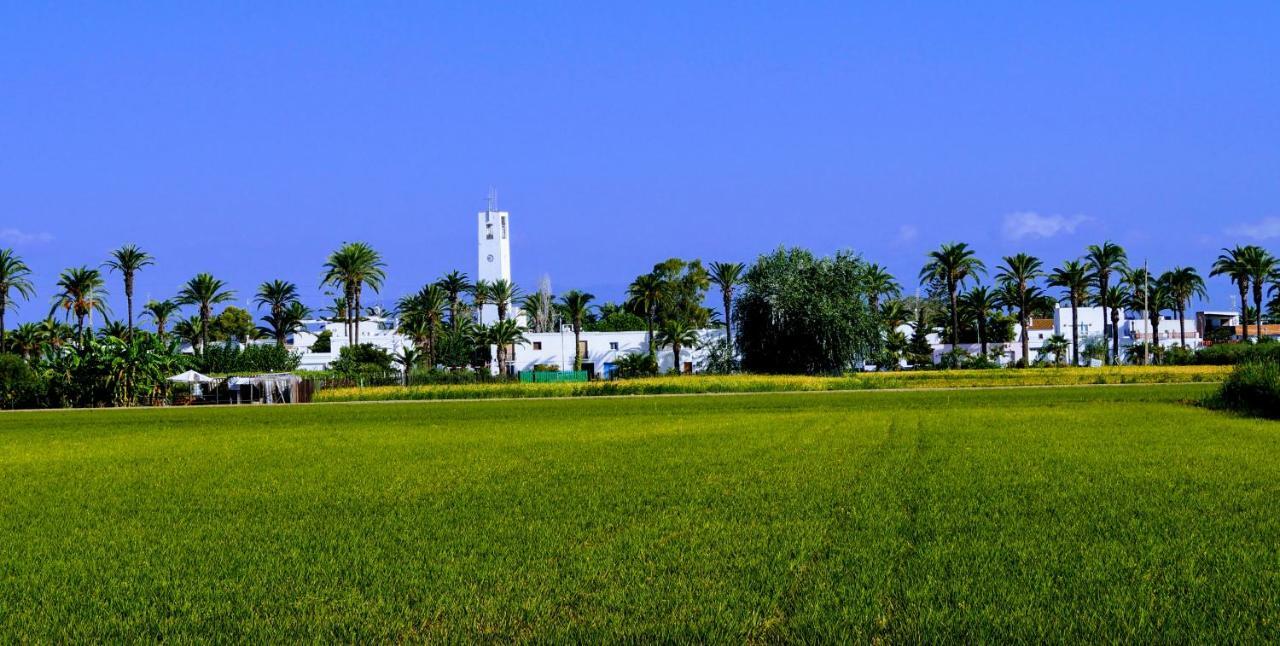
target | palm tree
[
  {"x": 287, "y": 320},
  {"x": 1074, "y": 278},
  {"x": 15, "y": 279},
  {"x": 481, "y": 292},
  {"x": 351, "y": 268},
  {"x": 1138, "y": 282},
  {"x": 505, "y": 334},
  {"x": 54, "y": 333},
  {"x": 128, "y": 260},
  {"x": 1232, "y": 263},
  {"x": 503, "y": 292},
  {"x": 879, "y": 283},
  {"x": 575, "y": 305},
  {"x": 204, "y": 291},
  {"x": 727, "y": 275},
  {"x": 277, "y": 295},
  {"x": 189, "y": 330},
  {"x": 1159, "y": 298},
  {"x": 1184, "y": 284},
  {"x": 644, "y": 295},
  {"x": 675, "y": 332},
  {"x": 82, "y": 294},
  {"x": 160, "y": 312},
  {"x": 1260, "y": 265},
  {"x": 455, "y": 284},
  {"x": 951, "y": 265},
  {"x": 26, "y": 340},
  {"x": 1111, "y": 301},
  {"x": 1104, "y": 259},
  {"x": 1019, "y": 272},
  {"x": 421, "y": 316},
  {"x": 978, "y": 304},
  {"x": 1057, "y": 346}
]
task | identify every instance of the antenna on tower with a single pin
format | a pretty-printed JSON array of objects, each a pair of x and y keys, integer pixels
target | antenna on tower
[{"x": 493, "y": 199}]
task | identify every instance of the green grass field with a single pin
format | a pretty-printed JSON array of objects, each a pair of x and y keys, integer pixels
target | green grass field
[{"x": 1098, "y": 513}]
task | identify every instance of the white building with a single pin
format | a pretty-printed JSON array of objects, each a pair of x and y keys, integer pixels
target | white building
[{"x": 600, "y": 350}]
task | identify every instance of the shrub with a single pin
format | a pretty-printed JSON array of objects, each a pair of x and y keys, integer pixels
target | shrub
[
  {"x": 20, "y": 386},
  {"x": 361, "y": 359},
  {"x": 1253, "y": 388},
  {"x": 631, "y": 366},
  {"x": 227, "y": 358}
]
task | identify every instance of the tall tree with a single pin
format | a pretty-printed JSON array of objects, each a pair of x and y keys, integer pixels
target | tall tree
[
  {"x": 82, "y": 294},
  {"x": 978, "y": 303},
  {"x": 354, "y": 266},
  {"x": 505, "y": 334},
  {"x": 951, "y": 265},
  {"x": 422, "y": 317},
  {"x": 1137, "y": 285},
  {"x": 129, "y": 260},
  {"x": 204, "y": 291},
  {"x": 1074, "y": 278},
  {"x": 481, "y": 295},
  {"x": 644, "y": 295},
  {"x": 277, "y": 296},
  {"x": 1104, "y": 259},
  {"x": 455, "y": 284},
  {"x": 1184, "y": 284},
  {"x": 677, "y": 334},
  {"x": 15, "y": 280},
  {"x": 160, "y": 312},
  {"x": 503, "y": 293},
  {"x": 880, "y": 284},
  {"x": 727, "y": 276},
  {"x": 1233, "y": 263},
  {"x": 575, "y": 305},
  {"x": 1020, "y": 271},
  {"x": 1260, "y": 266}
]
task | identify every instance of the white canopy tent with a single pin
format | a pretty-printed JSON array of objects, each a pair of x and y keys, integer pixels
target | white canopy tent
[{"x": 194, "y": 378}]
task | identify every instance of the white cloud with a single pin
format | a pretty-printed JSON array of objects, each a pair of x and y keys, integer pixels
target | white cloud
[
  {"x": 907, "y": 233},
  {"x": 18, "y": 236},
  {"x": 1264, "y": 229},
  {"x": 1029, "y": 224}
]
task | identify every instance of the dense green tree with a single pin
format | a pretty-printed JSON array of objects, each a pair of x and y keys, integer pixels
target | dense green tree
[
  {"x": 505, "y": 335},
  {"x": 1019, "y": 272},
  {"x": 204, "y": 291},
  {"x": 233, "y": 323},
  {"x": 802, "y": 314},
  {"x": 277, "y": 296},
  {"x": 289, "y": 320},
  {"x": 644, "y": 296},
  {"x": 880, "y": 284},
  {"x": 951, "y": 265},
  {"x": 727, "y": 276},
  {"x": 1185, "y": 284},
  {"x": 1074, "y": 278},
  {"x": 455, "y": 284},
  {"x": 503, "y": 293},
  {"x": 160, "y": 312},
  {"x": 1234, "y": 264},
  {"x": 82, "y": 293},
  {"x": 977, "y": 305},
  {"x": 574, "y": 306},
  {"x": 1105, "y": 259},
  {"x": 422, "y": 318},
  {"x": 354, "y": 266},
  {"x": 129, "y": 260},
  {"x": 678, "y": 334},
  {"x": 15, "y": 281}
]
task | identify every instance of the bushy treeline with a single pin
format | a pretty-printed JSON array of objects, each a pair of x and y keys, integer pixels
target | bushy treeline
[
  {"x": 1252, "y": 388},
  {"x": 229, "y": 358}
]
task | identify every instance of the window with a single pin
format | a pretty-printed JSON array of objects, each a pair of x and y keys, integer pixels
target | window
[
  {"x": 582, "y": 347},
  {"x": 613, "y": 345},
  {"x": 537, "y": 345},
  {"x": 504, "y": 227}
]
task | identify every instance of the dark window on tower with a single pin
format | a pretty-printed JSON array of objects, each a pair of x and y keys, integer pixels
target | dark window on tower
[{"x": 537, "y": 345}]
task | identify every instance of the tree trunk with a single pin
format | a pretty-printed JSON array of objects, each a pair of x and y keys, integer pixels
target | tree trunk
[
  {"x": 1115, "y": 335},
  {"x": 1182, "y": 326},
  {"x": 675, "y": 349},
  {"x": 1244, "y": 305},
  {"x": 128, "y": 297},
  {"x": 1075, "y": 334},
  {"x": 1102, "y": 296},
  {"x": 355, "y": 325},
  {"x": 649, "y": 325},
  {"x": 982, "y": 334},
  {"x": 4, "y": 303},
  {"x": 728, "y": 323},
  {"x": 204, "y": 329},
  {"x": 1025, "y": 321},
  {"x": 1257, "y": 306},
  {"x": 955, "y": 317}
]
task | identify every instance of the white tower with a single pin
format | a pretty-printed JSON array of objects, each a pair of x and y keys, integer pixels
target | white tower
[{"x": 495, "y": 251}]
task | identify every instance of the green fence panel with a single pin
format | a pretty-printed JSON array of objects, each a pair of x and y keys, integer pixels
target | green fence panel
[{"x": 546, "y": 377}]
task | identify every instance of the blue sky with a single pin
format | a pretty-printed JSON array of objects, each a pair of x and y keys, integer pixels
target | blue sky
[{"x": 250, "y": 140}]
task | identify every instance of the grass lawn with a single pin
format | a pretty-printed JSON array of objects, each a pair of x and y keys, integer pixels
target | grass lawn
[{"x": 1099, "y": 513}]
